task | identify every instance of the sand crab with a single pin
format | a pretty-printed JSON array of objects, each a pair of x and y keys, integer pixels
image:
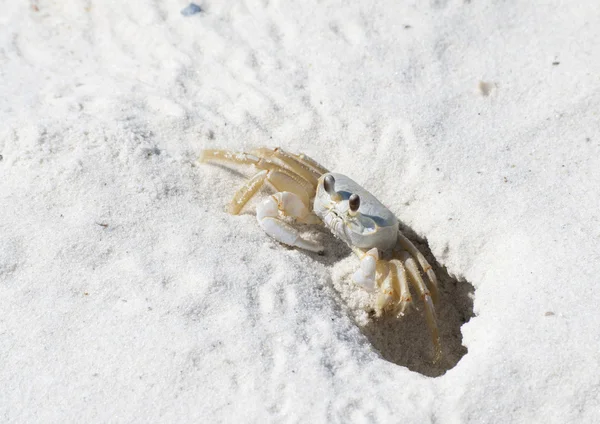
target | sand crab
[{"x": 310, "y": 194}]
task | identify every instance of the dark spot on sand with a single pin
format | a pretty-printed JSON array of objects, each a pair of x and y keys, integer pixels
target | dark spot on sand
[{"x": 191, "y": 9}]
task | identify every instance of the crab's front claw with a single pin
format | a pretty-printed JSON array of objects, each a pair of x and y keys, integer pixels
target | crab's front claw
[
  {"x": 367, "y": 282},
  {"x": 289, "y": 204},
  {"x": 365, "y": 275}
]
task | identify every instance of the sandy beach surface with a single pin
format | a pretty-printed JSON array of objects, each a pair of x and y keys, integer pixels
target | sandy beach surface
[{"x": 129, "y": 294}]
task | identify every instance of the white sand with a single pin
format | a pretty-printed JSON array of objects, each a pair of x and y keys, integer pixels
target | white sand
[{"x": 128, "y": 294}]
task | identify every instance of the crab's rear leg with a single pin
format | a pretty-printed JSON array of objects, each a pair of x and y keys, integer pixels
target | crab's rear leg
[
  {"x": 311, "y": 162},
  {"x": 259, "y": 161},
  {"x": 407, "y": 245},
  {"x": 295, "y": 164},
  {"x": 400, "y": 285},
  {"x": 209, "y": 155},
  {"x": 246, "y": 192},
  {"x": 415, "y": 277}
]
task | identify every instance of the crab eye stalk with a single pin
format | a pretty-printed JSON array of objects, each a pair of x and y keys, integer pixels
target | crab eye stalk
[
  {"x": 329, "y": 185},
  {"x": 354, "y": 203}
]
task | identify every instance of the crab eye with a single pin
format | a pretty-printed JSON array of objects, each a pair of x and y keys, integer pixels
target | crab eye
[
  {"x": 354, "y": 202},
  {"x": 329, "y": 185}
]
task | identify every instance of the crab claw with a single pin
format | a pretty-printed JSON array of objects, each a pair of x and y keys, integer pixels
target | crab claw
[
  {"x": 365, "y": 275},
  {"x": 367, "y": 282}
]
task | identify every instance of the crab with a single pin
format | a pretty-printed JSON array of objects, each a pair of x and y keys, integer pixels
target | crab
[{"x": 308, "y": 193}]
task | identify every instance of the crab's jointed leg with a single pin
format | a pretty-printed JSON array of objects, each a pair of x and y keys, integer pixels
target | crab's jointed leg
[
  {"x": 295, "y": 182},
  {"x": 306, "y": 162},
  {"x": 302, "y": 169},
  {"x": 283, "y": 177},
  {"x": 289, "y": 204},
  {"x": 415, "y": 278},
  {"x": 279, "y": 180},
  {"x": 386, "y": 292},
  {"x": 259, "y": 162},
  {"x": 400, "y": 284},
  {"x": 407, "y": 245},
  {"x": 312, "y": 163},
  {"x": 392, "y": 280},
  {"x": 245, "y": 193}
]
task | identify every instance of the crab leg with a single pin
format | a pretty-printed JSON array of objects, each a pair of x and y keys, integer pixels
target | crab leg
[
  {"x": 209, "y": 155},
  {"x": 415, "y": 277},
  {"x": 245, "y": 193},
  {"x": 301, "y": 158},
  {"x": 385, "y": 296},
  {"x": 279, "y": 180},
  {"x": 259, "y": 162},
  {"x": 311, "y": 162},
  {"x": 267, "y": 214},
  {"x": 408, "y": 246},
  {"x": 290, "y": 161},
  {"x": 400, "y": 285}
]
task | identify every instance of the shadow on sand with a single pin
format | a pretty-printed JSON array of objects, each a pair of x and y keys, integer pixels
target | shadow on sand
[{"x": 406, "y": 341}]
